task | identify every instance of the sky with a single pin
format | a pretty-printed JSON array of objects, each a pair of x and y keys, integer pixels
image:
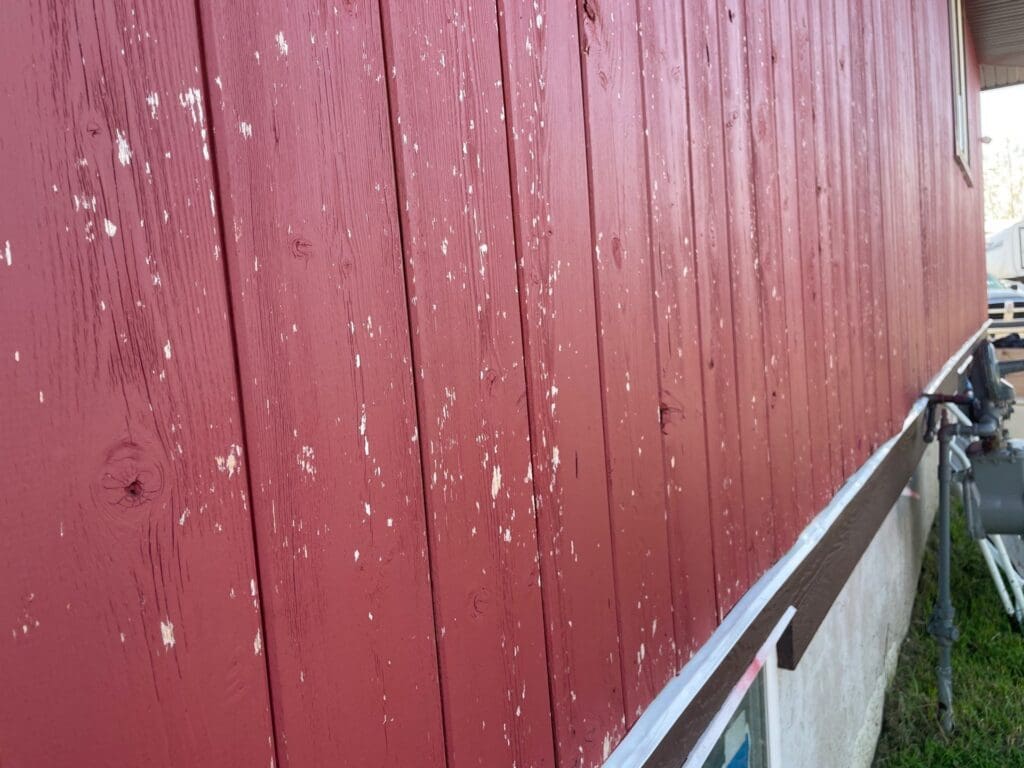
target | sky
[{"x": 1002, "y": 120}]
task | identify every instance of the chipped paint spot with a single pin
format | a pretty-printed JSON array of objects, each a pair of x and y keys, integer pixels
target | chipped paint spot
[
  {"x": 495, "y": 481},
  {"x": 282, "y": 44},
  {"x": 231, "y": 462},
  {"x": 109, "y": 227},
  {"x": 167, "y": 349},
  {"x": 124, "y": 152},
  {"x": 257, "y": 643},
  {"x": 153, "y": 100},
  {"x": 245, "y": 129},
  {"x": 305, "y": 460},
  {"x": 167, "y": 633},
  {"x": 7, "y": 252},
  {"x": 355, "y": 556}
]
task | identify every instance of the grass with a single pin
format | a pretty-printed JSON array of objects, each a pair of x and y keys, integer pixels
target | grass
[{"x": 988, "y": 676}]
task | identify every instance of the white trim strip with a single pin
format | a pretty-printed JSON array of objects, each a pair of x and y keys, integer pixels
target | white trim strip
[{"x": 662, "y": 713}]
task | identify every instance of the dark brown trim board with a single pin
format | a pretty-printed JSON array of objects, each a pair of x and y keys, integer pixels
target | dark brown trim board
[{"x": 809, "y": 578}]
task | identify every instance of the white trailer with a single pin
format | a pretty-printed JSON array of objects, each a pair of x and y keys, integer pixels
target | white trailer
[{"x": 1004, "y": 253}]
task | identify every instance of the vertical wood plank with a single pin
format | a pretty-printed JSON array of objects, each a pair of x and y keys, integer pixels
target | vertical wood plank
[
  {"x": 628, "y": 348},
  {"x": 307, "y": 183},
  {"x": 879, "y": 293},
  {"x": 682, "y": 403},
  {"x": 447, "y": 111},
  {"x": 859, "y": 191},
  {"x": 851, "y": 370},
  {"x": 820, "y": 415},
  {"x": 833, "y": 308},
  {"x": 745, "y": 274},
  {"x": 132, "y": 630},
  {"x": 711, "y": 255},
  {"x": 894, "y": 308},
  {"x": 787, "y": 457},
  {"x": 547, "y": 156},
  {"x": 906, "y": 129},
  {"x": 807, "y": 465}
]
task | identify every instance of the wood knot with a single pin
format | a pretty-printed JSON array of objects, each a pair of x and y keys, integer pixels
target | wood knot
[
  {"x": 478, "y": 599},
  {"x": 129, "y": 478},
  {"x": 301, "y": 248}
]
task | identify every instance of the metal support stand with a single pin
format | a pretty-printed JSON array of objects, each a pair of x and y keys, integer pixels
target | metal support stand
[{"x": 941, "y": 626}]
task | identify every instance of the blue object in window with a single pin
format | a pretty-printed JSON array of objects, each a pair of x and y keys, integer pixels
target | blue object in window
[{"x": 742, "y": 757}]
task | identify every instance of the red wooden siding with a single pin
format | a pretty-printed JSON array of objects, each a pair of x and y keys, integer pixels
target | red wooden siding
[
  {"x": 314, "y": 257},
  {"x": 393, "y": 384},
  {"x": 129, "y": 587}
]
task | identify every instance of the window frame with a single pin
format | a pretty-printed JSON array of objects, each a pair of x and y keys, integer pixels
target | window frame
[{"x": 958, "y": 74}]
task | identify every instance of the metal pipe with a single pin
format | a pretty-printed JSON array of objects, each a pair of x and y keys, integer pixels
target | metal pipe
[
  {"x": 1011, "y": 576},
  {"x": 941, "y": 625},
  {"x": 986, "y": 548}
]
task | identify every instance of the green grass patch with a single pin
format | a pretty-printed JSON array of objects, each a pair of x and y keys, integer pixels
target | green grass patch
[{"x": 988, "y": 676}]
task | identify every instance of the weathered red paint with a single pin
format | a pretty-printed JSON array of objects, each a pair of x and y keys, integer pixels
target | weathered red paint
[
  {"x": 628, "y": 345},
  {"x": 447, "y": 110},
  {"x": 711, "y": 254},
  {"x": 315, "y": 261},
  {"x": 547, "y": 159},
  {"x": 553, "y": 327},
  {"x": 131, "y": 623},
  {"x": 678, "y": 316}
]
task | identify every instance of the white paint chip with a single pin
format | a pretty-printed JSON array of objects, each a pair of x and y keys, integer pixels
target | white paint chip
[
  {"x": 245, "y": 129},
  {"x": 495, "y": 481},
  {"x": 153, "y": 100},
  {"x": 167, "y": 633},
  {"x": 282, "y": 44},
  {"x": 257, "y": 643},
  {"x": 124, "y": 152},
  {"x": 109, "y": 227},
  {"x": 7, "y": 252},
  {"x": 167, "y": 349}
]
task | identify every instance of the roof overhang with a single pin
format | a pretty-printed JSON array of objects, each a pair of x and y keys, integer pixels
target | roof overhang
[{"x": 997, "y": 27}]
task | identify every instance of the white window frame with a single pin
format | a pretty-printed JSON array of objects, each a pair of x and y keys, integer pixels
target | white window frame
[{"x": 958, "y": 62}]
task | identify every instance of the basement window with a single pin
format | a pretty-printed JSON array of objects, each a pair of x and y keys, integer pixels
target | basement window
[
  {"x": 745, "y": 731},
  {"x": 958, "y": 59},
  {"x": 744, "y": 743}
]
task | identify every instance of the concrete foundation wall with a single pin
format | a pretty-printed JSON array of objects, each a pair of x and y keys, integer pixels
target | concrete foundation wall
[{"x": 830, "y": 707}]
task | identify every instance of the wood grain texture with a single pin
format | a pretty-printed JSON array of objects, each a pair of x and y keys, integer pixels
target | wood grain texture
[
  {"x": 132, "y": 631},
  {"x": 554, "y": 325},
  {"x": 789, "y": 523},
  {"x": 826, "y": 148},
  {"x": 851, "y": 363},
  {"x": 547, "y": 157},
  {"x": 684, "y": 438},
  {"x": 711, "y": 253},
  {"x": 864, "y": 318},
  {"x": 447, "y": 113},
  {"x": 879, "y": 296},
  {"x": 787, "y": 457},
  {"x": 628, "y": 348},
  {"x": 820, "y": 416},
  {"x": 302, "y": 142},
  {"x": 746, "y": 278}
]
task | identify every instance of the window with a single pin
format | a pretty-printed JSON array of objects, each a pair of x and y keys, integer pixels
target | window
[
  {"x": 744, "y": 743},
  {"x": 745, "y": 732},
  {"x": 958, "y": 58}
]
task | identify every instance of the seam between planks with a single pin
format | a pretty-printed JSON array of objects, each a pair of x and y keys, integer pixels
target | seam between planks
[
  {"x": 220, "y": 186},
  {"x": 386, "y": 48}
]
